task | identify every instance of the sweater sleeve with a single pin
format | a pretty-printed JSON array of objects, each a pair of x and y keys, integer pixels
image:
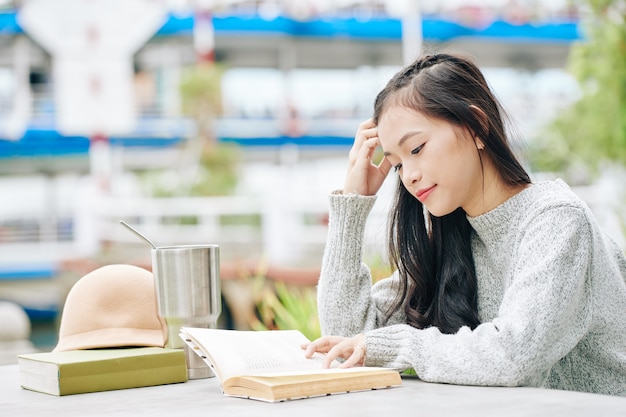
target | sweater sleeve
[
  {"x": 347, "y": 302},
  {"x": 545, "y": 312}
]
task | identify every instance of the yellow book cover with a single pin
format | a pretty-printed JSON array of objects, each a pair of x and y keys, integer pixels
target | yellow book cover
[
  {"x": 82, "y": 371},
  {"x": 271, "y": 366}
]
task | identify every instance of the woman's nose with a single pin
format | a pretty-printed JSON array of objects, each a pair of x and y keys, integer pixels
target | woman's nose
[{"x": 411, "y": 174}]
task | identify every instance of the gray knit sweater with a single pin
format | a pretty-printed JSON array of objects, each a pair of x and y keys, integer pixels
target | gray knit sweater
[{"x": 551, "y": 298}]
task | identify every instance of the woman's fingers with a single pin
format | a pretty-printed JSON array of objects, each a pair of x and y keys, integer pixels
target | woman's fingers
[
  {"x": 356, "y": 358},
  {"x": 365, "y": 130},
  {"x": 361, "y": 138},
  {"x": 367, "y": 148},
  {"x": 321, "y": 345},
  {"x": 352, "y": 350},
  {"x": 335, "y": 347}
]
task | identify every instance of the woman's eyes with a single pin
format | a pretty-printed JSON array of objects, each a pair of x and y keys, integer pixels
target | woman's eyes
[{"x": 413, "y": 152}]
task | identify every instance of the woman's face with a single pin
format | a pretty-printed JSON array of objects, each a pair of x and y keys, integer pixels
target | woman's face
[{"x": 437, "y": 163}]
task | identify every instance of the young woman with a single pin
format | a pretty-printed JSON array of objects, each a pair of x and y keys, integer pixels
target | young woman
[{"x": 502, "y": 282}]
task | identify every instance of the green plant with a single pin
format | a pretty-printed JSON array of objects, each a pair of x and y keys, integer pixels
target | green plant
[
  {"x": 201, "y": 99},
  {"x": 207, "y": 166},
  {"x": 201, "y": 96},
  {"x": 593, "y": 130},
  {"x": 285, "y": 307},
  {"x": 218, "y": 172}
]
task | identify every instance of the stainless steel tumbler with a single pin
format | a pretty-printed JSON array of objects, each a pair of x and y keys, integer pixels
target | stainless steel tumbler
[{"x": 187, "y": 282}]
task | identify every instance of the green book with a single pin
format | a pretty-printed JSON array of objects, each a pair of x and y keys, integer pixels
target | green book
[{"x": 81, "y": 371}]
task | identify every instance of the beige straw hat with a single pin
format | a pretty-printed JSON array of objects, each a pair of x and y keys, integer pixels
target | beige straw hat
[{"x": 113, "y": 306}]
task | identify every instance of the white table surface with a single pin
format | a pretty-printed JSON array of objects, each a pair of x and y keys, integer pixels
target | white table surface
[{"x": 202, "y": 397}]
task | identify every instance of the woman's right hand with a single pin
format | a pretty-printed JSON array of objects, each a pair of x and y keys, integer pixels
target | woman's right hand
[{"x": 363, "y": 176}]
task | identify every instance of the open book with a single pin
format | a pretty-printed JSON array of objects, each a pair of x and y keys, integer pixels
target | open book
[{"x": 271, "y": 366}]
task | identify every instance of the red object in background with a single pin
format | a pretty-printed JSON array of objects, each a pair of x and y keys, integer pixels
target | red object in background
[
  {"x": 99, "y": 138},
  {"x": 204, "y": 36}
]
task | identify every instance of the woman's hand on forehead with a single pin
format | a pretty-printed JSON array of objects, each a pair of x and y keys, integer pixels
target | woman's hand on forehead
[{"x": 364, "y": 176}]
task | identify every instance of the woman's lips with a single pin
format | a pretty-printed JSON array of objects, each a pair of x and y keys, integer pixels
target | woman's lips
[{"x": 423, "y": 194}]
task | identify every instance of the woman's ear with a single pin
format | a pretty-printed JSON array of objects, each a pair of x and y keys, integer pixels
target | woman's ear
[{"x": 482, "y": 119}]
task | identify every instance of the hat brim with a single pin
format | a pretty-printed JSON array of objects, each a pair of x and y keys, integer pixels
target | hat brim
[{"x": 112, "y": 337}]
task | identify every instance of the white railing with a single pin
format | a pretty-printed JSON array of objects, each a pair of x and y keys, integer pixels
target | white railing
[
  {"x": 285, "y": 227},
  {"x": 185, "y": 220},
  {"x": 285, "y": 231}
]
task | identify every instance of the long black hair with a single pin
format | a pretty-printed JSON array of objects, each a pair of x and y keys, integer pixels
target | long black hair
[{"x": 433, "y": 254}]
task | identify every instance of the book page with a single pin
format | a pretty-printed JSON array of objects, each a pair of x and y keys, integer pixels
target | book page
[{"x": 236, "y": 352}]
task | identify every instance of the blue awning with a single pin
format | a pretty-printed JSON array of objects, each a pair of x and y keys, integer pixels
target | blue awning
[
  {"x": 378, "y": 28},
  {"x": 40, "y": 142}
]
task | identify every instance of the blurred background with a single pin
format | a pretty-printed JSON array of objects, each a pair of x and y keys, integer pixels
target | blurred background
[{"x": 229, "y": 122}]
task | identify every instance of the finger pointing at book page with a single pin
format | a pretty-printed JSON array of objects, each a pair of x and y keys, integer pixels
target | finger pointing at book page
[
  {"x": 322, "y": 345},
  {"x": 336, "y": 347}
]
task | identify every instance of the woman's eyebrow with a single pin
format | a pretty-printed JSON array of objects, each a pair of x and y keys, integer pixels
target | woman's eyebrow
[{"x": 404, "y": 138}]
